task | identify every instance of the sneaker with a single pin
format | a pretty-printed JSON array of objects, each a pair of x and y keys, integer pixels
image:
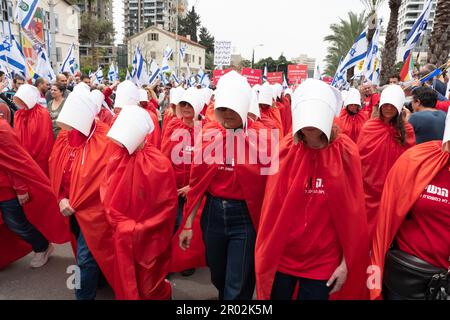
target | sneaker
[
  {"x": 188, "y": 272},
  {"x": 41, "y": 258}
]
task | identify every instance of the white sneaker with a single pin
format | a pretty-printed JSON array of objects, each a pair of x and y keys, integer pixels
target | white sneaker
[{"x": 41, "y": 258}]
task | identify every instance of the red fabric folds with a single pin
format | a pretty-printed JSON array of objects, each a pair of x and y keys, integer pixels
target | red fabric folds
[{"x": 351, "y": 125}]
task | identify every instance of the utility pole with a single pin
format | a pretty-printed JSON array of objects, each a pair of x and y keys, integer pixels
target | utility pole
[
  {"x": 177, "y": 55},
  {"x": 53, "y": 57}
]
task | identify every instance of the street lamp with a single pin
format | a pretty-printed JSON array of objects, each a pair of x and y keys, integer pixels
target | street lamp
[{"x": 253, "y": 55}]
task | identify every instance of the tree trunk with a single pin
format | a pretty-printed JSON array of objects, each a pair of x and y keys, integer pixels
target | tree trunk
[
  {"x": 390, "y": 48},
  {"x": 439, "y": 42}
]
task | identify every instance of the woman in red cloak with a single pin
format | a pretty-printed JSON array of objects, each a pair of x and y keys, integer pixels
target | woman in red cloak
[
  {"x": 144, "y": 102},
  {"x": 77, "y": 168},
  {"x": 175, "y": 96},
  {"x": 234, "y": 187},
  {"x": 270, "y": 114},
  {"x": 411, "y": 242},
  {"x": 29, "y": 215},
  {"x": 381, "y": 142},
  {"x": 139, "y": 195},
  {"x": 33, "y": 125},
  {"x": 310, "y": 235},
  {"x": 352, "y": 118}
]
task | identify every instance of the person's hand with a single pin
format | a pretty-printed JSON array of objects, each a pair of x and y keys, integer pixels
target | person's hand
[
  {"x": 446, "y": 147},
  {"x": 3, "y": 85},
  {"x": 184, "y": 191},
  {"x": 338, "y": 278},
  {"x": 65, "y": 208},
  {"x": 406, "y": 114},
  {"x": 185, "y": 239},
  {"x": 114, "y": 85},
  {"x": 23, "y": 198}
]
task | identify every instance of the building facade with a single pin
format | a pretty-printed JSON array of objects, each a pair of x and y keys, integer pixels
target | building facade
[
  {"x": 153, "y": 41},
  {"x": 310, "y": 62},
  {"x": 409, "y": 11},
  {"x": 67, "y": 18},
  {"x": 141, "y": 14}
]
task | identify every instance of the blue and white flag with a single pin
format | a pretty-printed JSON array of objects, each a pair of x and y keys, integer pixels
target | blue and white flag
[
  {"x": 264, "y": 77},
  {"x": 182, "y": 51},
  {"x": 97, "y": 77},
  {"x": 117, "y": 78},
  {"x": 206, "y": 82},
  {"x": 165, "y": 63},
  {"x": 356, "y": 54},
  {"x": 201, "y": 76},
  {"x": 155, "y": 71},
  {"x": 11, "y": 53},
  {"x": 139, "y": 73},
  {"x": 317, "y": 73},
  {"x": 285, "y": 83},
  {"x": 372, "y": 53},
  {"x": 25, "y": 11},
  {"x": 418, "y": 29},
  {"x": 163, "y": 79},
  {"x": 43, "y": 67},
  {"x": 128, "y": 76},
  {"x": 175, "y": 78},
  {"x": 112, "y": 73},
  {"x": 69, "y": 64},
  {"x": 192, "y": 81}
]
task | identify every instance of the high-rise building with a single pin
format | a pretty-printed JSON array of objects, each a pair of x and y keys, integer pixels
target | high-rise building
[
  {"x": 101, "y": 9},
  {"x": 409, "y": 12},
  {"x": 141, "y": 14}
]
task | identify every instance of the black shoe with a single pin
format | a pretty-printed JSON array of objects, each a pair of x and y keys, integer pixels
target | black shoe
[{"x": 188, "y": 272}]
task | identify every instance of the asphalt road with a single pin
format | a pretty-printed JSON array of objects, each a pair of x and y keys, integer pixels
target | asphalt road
[{"x": 20, "y": 282}]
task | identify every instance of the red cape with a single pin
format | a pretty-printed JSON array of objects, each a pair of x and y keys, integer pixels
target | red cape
[
  {"x": 168, "y": 116},
  {"x": 42, "y": 210},
  {"x": 339, "y": 164},
  {"x": 286, "y": 114},
  {"x": 407, "y": 180},
  {"x": 140, "y": 200},
  {"x": 35, "y": 132},
  {"x": 88, "y": 172},
  {"x": 271, "y": 119},
  {"x": 210, "y": 113},
  {"x": 352, "y": 125},
  {"x": 105, "y": 116},
  {"x": 379, "y": 150}
]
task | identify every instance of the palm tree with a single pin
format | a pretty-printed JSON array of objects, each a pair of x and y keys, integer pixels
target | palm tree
[
  {"x": 440, "y": 37},
  {"x": 372, "y": 15},
  {"x": 342, "y": 38},
  {"x": 391, "y": 44}
]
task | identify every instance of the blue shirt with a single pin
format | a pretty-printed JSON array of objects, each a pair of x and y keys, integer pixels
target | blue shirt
[{"x": 428, "y": 125}]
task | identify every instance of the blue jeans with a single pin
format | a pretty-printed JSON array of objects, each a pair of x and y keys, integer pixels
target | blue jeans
[
  {"x": 89, "y": 271},
  {"x": 17, "y": 222},
  {"x": 284, "y": 287},
  {"x": 229, "y": 238}
]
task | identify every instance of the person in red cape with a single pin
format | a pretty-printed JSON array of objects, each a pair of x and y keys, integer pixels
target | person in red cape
[
  {"x": 155, "y": 136},
  {"x": 352, "y": 118},
  {"x": 369, "y": 97},
  {"x": 411, "y": 242},
  {"x": 77, "y": 168},
  {"x": 29, "y": 215},
  {"x": 170, "y": 113},
  {"x": 104, "y": 114},
  {"x": 381, "y": 142},
  {"x": 270, "y": 114},
  {"x": 33, "y": 125},
  {"x": 286, "y": 117},
  {"x": 139, "y": 195},
  {"x": 310, "y": 235},
  {"x": 178, "y": 146},
  {"x": 234, "y": 188}
]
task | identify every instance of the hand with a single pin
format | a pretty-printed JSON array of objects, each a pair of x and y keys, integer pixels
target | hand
[
  {"x": 184, "y": 191},
  {"x": 446, "y": 147},
  {"x": 185, "y": 238},
  {"x": 340, "y": 276},
  {"x": 23, "y": 198},
  {"x": 3, "y": 85},
  {"x": 65, "y": 208},
  {"x": 406, "y": 114},
  {"x": 114, "y": 85}
]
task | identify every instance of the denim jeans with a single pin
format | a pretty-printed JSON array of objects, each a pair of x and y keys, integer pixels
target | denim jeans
[
  {"x": 180, "y": 208},
  {"x": 89, "y": 271},
  {"x": 17, "y": 222},
  {"x": 229, "y": 238},
  {"x": 284, "y": 287}
]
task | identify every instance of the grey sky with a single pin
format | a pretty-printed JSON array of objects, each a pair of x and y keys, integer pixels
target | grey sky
[{"x": 289, "y": 26}]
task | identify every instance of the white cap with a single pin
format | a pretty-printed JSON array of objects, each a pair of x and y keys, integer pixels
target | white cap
[
  {"x": 277, "y": 90},
  {"x": 288, "y": 91},
  {"x": 266, "y": 95},
  {"x": 176, "y": 94},
  {"x": 28, "y": 94},
  {"x": 393, "y": 94},
  {"x": 315, "y": 104},
  {"x": 206, "y": 95},
  {"x": 353, "y": 96},
  {"x": 99, "y": 98},
  {"x": 234, "y": 92},
  {"x": 131, "y": 127},
  {"x": 78, "y": 113},
  {"x": 254, "y": 105},
  {"x": 127, "y": 94},
  {"x": 194, "y": 97},
  {"x": 447, "y": 129},
  {"x": 143, "y": 95},
  {"x": 81, "y": 87}
]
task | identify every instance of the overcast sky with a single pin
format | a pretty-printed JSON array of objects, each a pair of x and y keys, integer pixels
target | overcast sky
[{"x": 293, "y": 27}]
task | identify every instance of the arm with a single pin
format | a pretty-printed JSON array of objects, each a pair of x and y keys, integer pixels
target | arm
[{"x": 187, "y": 233}]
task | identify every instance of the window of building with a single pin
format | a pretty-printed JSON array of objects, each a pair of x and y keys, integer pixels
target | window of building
[
  {"x": 153, "y": 37},
  {"x": 193, "y": 59},
  {"x": 187, "y": 58},
  {"x": 153, "y": 54},
  {"x": 200, "y": 61},
  {"x": 7, "y": 10}
]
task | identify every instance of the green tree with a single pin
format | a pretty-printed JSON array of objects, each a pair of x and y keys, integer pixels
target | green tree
[
  {"x": 390, "y": 48},
  {"x": 341, "y": 39},
  {"x": 440, "y": 37},
  {"x": 207, "y": 40},
  {"x": 190, "y": 24},
  {"x": 209, "y": 61}
]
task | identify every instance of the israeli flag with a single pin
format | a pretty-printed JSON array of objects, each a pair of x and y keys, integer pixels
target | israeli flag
[
  {"x": 43, "y": 68},
  {"x": 418, "y": 29},
  {"x": 165, "y": 63},
  {"x": 117, "y": 76},
  {"x": 182, "y": 52},
  {"x": 356, "y": 54},
  {"x": 11, "y": 53},
  {"x": 139, "y": 73},
  {"x": 25, "y": 11},
  {"x": 128, "y": 76},
  {"x": 155, "y": 71},
  {"x": 285, "y": 83},
  {"x": 69, "y": 64},
  {"x": 201, "y": 76},
  {"x": 112, "y": 73},
  {"x": 99, "y": 75},
  {"x": 206, "y": 82},
  {"x": 372, "y": 53},
  {"x": 175, "y": 78},
  {"x": 264, "y": 78}
]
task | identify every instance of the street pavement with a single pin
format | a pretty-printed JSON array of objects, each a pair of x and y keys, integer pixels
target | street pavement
[{"x": 20, "y": 282}]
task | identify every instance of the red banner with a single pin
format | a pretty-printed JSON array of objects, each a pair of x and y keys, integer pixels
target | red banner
[
  {"x": 327, "y": 79},
  {"x": 253, "y": 76},
  {"x": 217, "y": 74},
  {"x": 297, "y": 73},
  {"x": 275, "y": 77}
]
